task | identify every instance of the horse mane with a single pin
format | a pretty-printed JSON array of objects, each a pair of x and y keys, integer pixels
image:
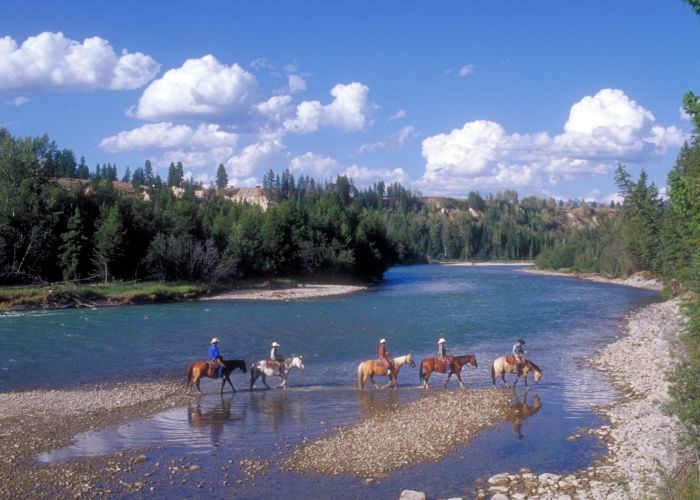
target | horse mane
[{"x": 533, "y": 365}]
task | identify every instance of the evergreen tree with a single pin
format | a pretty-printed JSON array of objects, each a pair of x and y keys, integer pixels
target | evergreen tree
[
  {"x": 72, "y": 247},
  {"x": 221, "y": 177}
]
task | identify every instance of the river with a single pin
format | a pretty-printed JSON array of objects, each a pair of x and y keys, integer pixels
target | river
[{"x": 477, "y": 309}]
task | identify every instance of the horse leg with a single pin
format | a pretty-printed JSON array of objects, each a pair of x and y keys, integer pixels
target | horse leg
[
  {"x": 371, "y": 378},
  {"x": 426, "y": 385},
  {"x": 449, "y": 374},
  {"x": 227, "y": 379},
  {"x": 503, "y": 377},
  {"x": 264, "y": 380},
  {"x": 459, "y": 377},
  {"x": 283, "y": 385}
]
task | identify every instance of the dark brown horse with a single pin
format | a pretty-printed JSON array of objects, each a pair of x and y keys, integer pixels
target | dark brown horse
[
  {"x": 200, "y": 369},
  {"x": 429, "y": 365}
]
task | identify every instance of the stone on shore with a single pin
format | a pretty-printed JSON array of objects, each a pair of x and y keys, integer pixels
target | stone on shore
[{"x": 412, "y": 495}]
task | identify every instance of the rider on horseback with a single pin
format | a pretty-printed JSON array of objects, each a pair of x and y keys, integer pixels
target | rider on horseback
[
  {"x": 444, "y": 355},
  {"x": 519, "y": 354},
  {"x": 385, "y": 358},
  {"x": 276, "y": 360},
  {"x": 216, "y": 359}
]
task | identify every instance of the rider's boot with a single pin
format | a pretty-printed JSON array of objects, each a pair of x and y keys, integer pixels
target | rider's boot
[{"x": 220, "y": 372}]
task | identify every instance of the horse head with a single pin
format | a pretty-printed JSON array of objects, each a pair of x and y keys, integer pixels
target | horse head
[
  {"x": 538, "y": 372},
  {"x": 297, "y": 362},
  {"x": 411, "y": 363}
]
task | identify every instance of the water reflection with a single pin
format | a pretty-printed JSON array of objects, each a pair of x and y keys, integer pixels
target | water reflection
[
  {"x": 274, "y": 409},
  {"x": 372, "y": 402},
  {"x": 520, "y": 410},
  {"x": 213, "y": 419}
]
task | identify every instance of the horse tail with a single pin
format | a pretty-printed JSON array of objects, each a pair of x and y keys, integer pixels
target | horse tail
[
  {"x": 421, "y": 375},
  {"x": 189, "y": 373},
  {"x": 252, "y": 374},
  {"x": 359, "y": 375},
  {"x": 493, "y": 373}
]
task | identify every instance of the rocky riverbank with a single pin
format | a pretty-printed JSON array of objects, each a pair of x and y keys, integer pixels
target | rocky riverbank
[
  {"x": 642, "y": 441},
  {"x": 37, "y": 421},
  {"x": 637, "y": 280},
  {"x": 411, "y": 432},
  {"x": 299, "y": 292}
]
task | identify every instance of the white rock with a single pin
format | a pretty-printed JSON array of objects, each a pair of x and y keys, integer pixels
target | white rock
[
  {"x": 412, "y": 495},
  {"x": 498, "y": 489},
  {"x": 499, "y": 496},
  {"x": 499, "y": 479}
]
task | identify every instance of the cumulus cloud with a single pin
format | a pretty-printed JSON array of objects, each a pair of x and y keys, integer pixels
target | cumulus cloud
[
  {"x": 17, "y": 101},
  {"x": 256, "y": 156},
  {"x": 324, "y": 167},
  {"x": 200, "y": 88},
  {"x": 166, "y": 135},
  {"x": 467, "y": 70},
  {"x": 600, "y": 131},
  {"x": 50, "y": 61},
  {"x": 398, "y": 115},
  {"x": 276, "y": 109},
  {"x": 391, "y": 141},
  {"x": 296, "y": 83},
  {"x": 349, "y": 111}
]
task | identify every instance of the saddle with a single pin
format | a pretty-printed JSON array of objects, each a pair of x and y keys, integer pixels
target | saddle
[{"x": 512, "y": 359}]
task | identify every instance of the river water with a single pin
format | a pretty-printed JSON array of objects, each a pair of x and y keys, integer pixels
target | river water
[{"x": 477, "y": 309}]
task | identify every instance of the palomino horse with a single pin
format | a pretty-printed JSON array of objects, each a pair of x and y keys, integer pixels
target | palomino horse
[
  {"x": 505, "y": 364},
  {"x": 261, "y": 369},
  {"x": 368, "y": 369},
  {"x": 200, "y": 369},
  {"x": 429, "y": 365}
]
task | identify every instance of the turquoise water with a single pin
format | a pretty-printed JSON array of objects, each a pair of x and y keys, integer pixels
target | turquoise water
[{"x": 477, "y": 309}]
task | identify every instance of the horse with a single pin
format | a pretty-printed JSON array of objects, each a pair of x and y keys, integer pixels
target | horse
[
  {"x": 429, "y": 365},
  {"x": 368, "y": 369},
  {"x": 200, "y": 369},
  {"x": 260, "y": 369},
  {"x": 503, "y": 364}
]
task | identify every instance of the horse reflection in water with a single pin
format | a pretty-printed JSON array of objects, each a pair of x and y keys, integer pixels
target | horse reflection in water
[
  {"x": 214, "y": 418},
  {"x": 275, "y": 410},
  {"x": 520, "y": 411}
]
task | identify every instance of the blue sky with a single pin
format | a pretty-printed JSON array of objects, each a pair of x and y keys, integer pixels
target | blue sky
[{"x": 445, "y": 97}]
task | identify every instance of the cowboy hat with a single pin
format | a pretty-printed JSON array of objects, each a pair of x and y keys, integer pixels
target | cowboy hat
[
  {"x": 521, "y": 341},
  {"x": 275, "y": 344},
  {"x": 441, "y": 341},
  {"x": 382, "y": 341},
  {"x": 214, "y": 341}
]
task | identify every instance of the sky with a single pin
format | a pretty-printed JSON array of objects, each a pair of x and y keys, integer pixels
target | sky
[{"x": 447, "y": 97}]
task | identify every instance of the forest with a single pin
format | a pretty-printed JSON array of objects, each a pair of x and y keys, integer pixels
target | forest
[{"x": 62, "y": 221}]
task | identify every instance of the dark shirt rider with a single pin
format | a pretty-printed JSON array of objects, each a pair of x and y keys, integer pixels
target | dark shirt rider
[{"x": 216, "y": 359}]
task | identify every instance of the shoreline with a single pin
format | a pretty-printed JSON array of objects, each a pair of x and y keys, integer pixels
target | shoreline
[
  {"x": 300, "y": 292},
  {"x": 637, "y": 280},
  {"x": 641, "y": 440}
]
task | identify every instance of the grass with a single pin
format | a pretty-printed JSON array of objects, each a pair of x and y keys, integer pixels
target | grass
[{"x": 67, "y": 295}]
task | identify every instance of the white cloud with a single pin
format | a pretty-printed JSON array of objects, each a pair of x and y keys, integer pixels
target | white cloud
[
  {"x": 391, "y": 141},
  {"x": 348, "y": 111},
  {"x": 398, "y": 115},
  {"x": 17, "y": 101},
  {"x": 317, "y": 166},
  {"x": 684, "y": 116},
  {"x": 166, "y": 135},
  {"x": 200, "y": 88},
  {"x": 276, "y": 109},
  {"x": 600, "y": 131},
  {"x": 326, "y": 168},
  {"x": 256, "y": 156},
  {"x": 467, "y": 70},
  {"x": 50, "y": 61},
  {"x": 261, "y": 63},
  {"x": 296, "y": 83},
  {"x": 363, "y": 176}
]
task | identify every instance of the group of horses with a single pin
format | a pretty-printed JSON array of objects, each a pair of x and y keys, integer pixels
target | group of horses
[
  {"x": 366, "y": 371},
  {"x": 453, "y": 365}
]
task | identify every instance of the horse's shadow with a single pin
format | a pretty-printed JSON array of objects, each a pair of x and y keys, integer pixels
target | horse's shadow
[{"x": 520, "y": 410}]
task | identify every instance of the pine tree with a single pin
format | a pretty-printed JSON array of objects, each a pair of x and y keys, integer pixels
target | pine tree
[
  {"x": 221, "y": 177},
  {"x": 72, "y": 245}
]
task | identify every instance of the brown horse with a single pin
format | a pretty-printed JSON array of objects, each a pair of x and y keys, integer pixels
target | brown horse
[
  {"x": 367, "y": 370},
  {"x": 429, "y": 365},
  {"x": 200, "y": 369},
  {"x": 506, "y": 364}
]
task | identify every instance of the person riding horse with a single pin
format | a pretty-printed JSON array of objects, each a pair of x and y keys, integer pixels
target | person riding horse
[
  {"x": 276, "y": 360},
  {"x": 216, "y": 359},
  {"x": 385, "y": 358},
  {"x": 519, "y": 355},
  {"x": 444, "y": 355}
]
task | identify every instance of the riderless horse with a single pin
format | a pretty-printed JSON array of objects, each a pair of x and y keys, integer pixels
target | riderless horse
[
  {"x": 429, "y": 365},
  {"x": 261, "y": 369},
  {"x": 374, "y": 367},
  {"x": 200, "y": 369},
  {"x": 504, "y": 364}
]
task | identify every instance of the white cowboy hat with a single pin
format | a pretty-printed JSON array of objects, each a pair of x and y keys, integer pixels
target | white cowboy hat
[
  {"x": 275, "y": 344},
  {"x": 383, "y": 341},
  {"x": 441, "y": 341},
  {"x": 214, "y": 341}
]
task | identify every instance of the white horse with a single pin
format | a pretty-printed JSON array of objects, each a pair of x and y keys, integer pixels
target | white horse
[
  {"x": 261, "y": 369},
  {"x": 368, "y": 369}
]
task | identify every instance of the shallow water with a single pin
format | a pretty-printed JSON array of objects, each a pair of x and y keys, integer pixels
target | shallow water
[{"x": 478, "y": 309}]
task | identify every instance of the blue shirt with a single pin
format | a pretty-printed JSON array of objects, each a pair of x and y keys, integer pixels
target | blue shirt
[
  {"x": 213, "y": 351},
  {"x": 518, "y": 349}
]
